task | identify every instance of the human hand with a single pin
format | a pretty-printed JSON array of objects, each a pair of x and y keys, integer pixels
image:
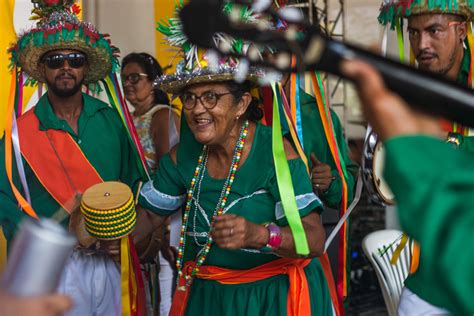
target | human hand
[
  {"x": 50, "y": 305},
  {"x": 111, "y": 247},
  {"x": 234, "y": 232},
  {"x": 148, "y": 234},
  {"x": 321, "y": 175},
  {"x": 170, "y": 253},
  {"x": 388, "y": 114}
]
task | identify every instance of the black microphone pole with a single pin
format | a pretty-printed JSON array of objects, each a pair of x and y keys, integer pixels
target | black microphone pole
[{"x": 431, "y": 93}]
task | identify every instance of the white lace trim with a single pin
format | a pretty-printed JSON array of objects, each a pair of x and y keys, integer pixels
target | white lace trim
[
  {"x": 228, "y": 207},
  {"x": 302, "y": 201},
  {"x": 161, "y": 200}
]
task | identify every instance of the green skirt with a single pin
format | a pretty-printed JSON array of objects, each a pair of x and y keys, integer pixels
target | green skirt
[{"x": 265, "y": 297}]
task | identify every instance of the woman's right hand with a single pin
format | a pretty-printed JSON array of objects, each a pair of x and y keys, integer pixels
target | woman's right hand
[{"x": 234, "y": 232}]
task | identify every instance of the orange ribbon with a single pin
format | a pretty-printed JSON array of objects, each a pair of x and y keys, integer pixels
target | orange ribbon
[
  {"x": 415, "y": 258},
  {"x": 342, "y": 251},
  {"x": 298, "y": 302}
]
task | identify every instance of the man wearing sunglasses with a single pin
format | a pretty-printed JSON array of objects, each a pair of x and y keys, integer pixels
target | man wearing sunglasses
[
  {"x": 68, "y": 142},
  {"x": 64, "y": 72},
  {"x": 438, "y": 38}
]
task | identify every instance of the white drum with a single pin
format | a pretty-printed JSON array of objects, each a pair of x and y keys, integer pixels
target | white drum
[{"x": 372, "y": 171}]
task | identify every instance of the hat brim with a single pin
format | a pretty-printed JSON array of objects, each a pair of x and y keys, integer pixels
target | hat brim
[
  {"x": 34, "y": 44},
  {"x": 176, "y": 83}
]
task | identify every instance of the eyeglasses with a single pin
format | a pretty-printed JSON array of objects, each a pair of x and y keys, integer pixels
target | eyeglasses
[
  {"x": 56, "y": 61},
  {"x": 208, "y": 99},
  {"x": 133, "y": 78}
]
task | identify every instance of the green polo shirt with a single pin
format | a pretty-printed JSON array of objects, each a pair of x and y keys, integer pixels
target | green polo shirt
[
  {"x": 434, "y": 186},
  {"x": 103, "y": 139},
  {"x": 314, "y": 141}
]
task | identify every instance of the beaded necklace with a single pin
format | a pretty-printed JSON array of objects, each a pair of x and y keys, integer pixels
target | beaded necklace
[{"x": 201, "y": 165}]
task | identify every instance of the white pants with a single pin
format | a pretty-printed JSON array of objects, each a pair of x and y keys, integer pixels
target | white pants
[
  {"x": 412, "y": 305},
  {"x": 166, "y": 277},
  {"x": 92, "y": 281}
]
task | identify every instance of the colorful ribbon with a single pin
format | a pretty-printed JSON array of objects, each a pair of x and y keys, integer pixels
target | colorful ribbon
[
  {"x": 16, "y": 141},
  {"x": 470, "y": 41},
  {"x": 398, "y": 250},
  {"x": 111, "y": 84},
  {"x": 25, "y": 206},
  {"x": 325, "y": 114},
  {"x": 290, "y": 125},
  {"x": 401, "y": 46},
  {"x": 285, "y": 183}
]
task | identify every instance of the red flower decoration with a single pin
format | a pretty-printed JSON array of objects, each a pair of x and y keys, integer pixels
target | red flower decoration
[
  {"x": 76, "y": 9},
  {"x": 50, "y": 3}
]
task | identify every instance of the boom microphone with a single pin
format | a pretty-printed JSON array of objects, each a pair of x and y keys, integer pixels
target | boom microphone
[{"x": 428, "y": 92}]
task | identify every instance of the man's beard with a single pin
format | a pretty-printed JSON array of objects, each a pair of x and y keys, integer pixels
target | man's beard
[
  {"x": 441, "y": 69},
  {"x": 65, "y": 92}
]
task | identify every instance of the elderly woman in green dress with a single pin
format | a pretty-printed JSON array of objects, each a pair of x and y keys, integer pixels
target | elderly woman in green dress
[
  {"x": 237, "y": 254},
  {"x": 223, "y": 175}
]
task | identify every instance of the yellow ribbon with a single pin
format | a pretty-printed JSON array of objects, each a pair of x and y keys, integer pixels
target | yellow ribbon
[
  {"x": 470, "y": 41},
  {"x": 125, "y": 275},
  {"x": 398, "y": 251}
]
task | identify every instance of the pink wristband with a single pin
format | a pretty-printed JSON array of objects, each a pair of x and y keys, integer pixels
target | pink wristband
[{"x": 274, "y": 239}]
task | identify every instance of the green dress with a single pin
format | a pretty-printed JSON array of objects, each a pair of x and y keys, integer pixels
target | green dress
[
  {"x": 434, "y": 188},
  {"x": 255, "y": 196}
]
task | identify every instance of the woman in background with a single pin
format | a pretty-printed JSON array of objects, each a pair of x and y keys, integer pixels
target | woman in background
[
  {"x": 157, "y": 126},
  {"x": 152, "y": 110}
]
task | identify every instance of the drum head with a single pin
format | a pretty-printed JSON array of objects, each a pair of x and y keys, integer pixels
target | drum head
[
  {"x": 107, "y": 195},
  {"x": 381, "y": 186}
]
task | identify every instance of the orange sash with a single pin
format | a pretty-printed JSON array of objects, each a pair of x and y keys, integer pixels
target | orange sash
[
  {"x": 298, "y": 302},
  {"x": 38, "y": 151}
]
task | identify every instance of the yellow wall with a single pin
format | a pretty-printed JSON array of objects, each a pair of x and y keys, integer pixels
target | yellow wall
[
  {"x": 7, "y": 36},
  {"x": 165, "y": 9}
]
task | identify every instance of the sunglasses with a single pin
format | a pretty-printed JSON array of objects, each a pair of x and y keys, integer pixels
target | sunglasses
[
  {"x": 56, "y": 61},
  {"x": 133, "y": 78}
]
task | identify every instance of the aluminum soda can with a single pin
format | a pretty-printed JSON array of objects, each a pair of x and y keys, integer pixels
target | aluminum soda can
[{"x": 37, "y": 258}]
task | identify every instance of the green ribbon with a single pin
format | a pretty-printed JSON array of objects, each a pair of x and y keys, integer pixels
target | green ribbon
[
  {"x": 401, "y": 46},
  {"x": 285, "y": 184}
]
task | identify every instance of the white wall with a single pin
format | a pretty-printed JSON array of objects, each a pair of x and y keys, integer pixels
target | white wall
[
  {"x": 130, "y": 23},
  {"x": 363, "y": 29}
]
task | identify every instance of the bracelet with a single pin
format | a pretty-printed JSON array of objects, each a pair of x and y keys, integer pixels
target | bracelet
[{"x": 274, "y": 239}]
